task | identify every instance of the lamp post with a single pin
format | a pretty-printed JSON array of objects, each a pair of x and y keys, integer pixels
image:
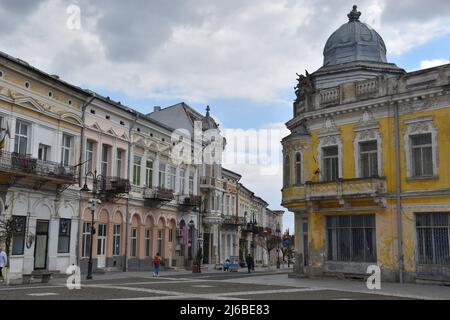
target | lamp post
[
  {"x": 253, "y": 224},
  {"x": 278, "y": 234},
  {"x": 93, "y": 201}
]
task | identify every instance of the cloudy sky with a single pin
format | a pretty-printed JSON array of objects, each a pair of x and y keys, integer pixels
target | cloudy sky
[{"x": 240, "y": 57}]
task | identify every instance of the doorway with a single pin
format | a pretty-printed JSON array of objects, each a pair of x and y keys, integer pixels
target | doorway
[
  {"x": 101, "y": 246},
  {"x": 305, "y": 241},
  {"x": 40, "y": 247},
  {"x": 206, "y": 240}
]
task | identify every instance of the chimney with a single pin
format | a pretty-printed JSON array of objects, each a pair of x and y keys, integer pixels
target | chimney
[{"x": 156, "y": 108}]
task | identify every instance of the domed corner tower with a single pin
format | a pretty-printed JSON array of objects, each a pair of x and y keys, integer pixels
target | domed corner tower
[{"x": 354, "y": 52}]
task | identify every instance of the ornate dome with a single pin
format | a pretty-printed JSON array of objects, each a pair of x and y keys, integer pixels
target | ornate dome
[{"x": 354, "y": 41}]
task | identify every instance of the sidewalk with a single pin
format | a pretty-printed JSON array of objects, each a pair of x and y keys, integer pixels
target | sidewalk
[{"x": 408, "y": 290}]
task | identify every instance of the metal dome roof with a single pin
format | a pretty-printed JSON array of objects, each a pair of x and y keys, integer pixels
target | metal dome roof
[{"x": 354, "y": 41}]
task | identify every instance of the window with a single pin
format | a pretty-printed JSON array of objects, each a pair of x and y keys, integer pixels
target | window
[
  {"x": 172, "y": 178},
  {"x": 66, "y": 150},
  {"x": 298, "y": 169},
  {"x": 89, "y": 155},
  {"x": 27, "y": 85},
  {"x": 287, "y": 171},
  {"x": 182, "y": 181},
  {"x": 133, "y": 242},
  {"x": 18, "y": 238},
  {"x": 86, "y": 239},
  {"x": 351, "y": 238},
  {"x": 227, "y": 207},
  {"x": 233, "y": 201},
  {"x": 105, "y": 151},
  {"x": 422, "y": 155},
  {"x": 170, "y": 235},
  {"x": 162, "y": 175},
  {"x": 44, "y": 152},
  {"x": 21, "y": 138},
  {"x": 119, "y": 157},
  {"x": 50, "y": 94},
  {"x": 330, "y": 163},
  {"x": 137, "y": 171},
  {"x": 191, "y": 183},
  {"x": 433, "y": 238},
  {"x": 368, "y": 157},
  {"x": 64, "y": 236},
  {"x": 147, "y": 242},
  {"x": 149, "y": 174},
  {"x": 116, "y": 240}
]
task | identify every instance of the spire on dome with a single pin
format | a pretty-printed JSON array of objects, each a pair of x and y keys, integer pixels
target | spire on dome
[
  {"x": 354, "y": 14},
  {"x": 207, "y": 111}
]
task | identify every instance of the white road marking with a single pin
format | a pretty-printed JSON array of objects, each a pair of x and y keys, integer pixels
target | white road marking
[
  {"x": 43, "y": 294},
  {"x": 202, "y": 286}
]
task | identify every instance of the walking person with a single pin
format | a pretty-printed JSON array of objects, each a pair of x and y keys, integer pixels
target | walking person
[
  {"x": 3, "y": 262},
  {"x": 156, "y": 265},
  {"x": 249, "y": 261}
]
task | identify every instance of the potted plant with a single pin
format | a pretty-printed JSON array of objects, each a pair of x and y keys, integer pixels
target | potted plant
[{"x": 196, "y": 265}]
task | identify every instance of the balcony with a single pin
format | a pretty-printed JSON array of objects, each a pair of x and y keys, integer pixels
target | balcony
[
  {"x": 17, "y": 166},
  {"x": 158, "y": 194},
  {"x": 210, "y": 183},
  {"x": 233, "y": 220},
  {"x": 360, "y": 188},
  {"x": 115, "y": 185},
  {"x": 191, "y": 201}
]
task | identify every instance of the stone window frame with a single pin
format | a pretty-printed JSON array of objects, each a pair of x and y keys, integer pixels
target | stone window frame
[
  {"x": 302, "y": 179},
  {"x": 366, "y": 135},
  {"x": 417, "y": 126},
  {"x": 329, "y": 136},
  {"x": 330, "y": 141}
]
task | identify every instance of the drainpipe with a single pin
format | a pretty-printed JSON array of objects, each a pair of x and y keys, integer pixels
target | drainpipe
[
  {"x": 125, "y": 265},
  {"x": 398, "y": 194},
  {"x": 80, "y": 178}
]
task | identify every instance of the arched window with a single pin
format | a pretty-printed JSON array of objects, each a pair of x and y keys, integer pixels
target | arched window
[
  {"x": 298, "y": 169},
  {"x": 287, "y": 171}
]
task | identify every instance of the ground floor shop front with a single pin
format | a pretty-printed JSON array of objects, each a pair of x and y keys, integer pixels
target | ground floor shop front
[{"x": 348, "y": 242}]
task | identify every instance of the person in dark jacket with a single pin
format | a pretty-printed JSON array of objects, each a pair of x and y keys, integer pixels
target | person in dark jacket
[{"x": 250, "y": 262}]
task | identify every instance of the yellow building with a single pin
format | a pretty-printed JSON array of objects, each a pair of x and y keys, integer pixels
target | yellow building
[
  {"x": 368, "y": 149},
  {"x": 41, "y": 123}
]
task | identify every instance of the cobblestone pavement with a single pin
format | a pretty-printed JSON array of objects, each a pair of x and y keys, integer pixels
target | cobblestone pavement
[{"x": 210, "y": 285}]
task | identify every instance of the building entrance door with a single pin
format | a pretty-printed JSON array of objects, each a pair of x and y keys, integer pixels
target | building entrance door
[
  {"x": 40, "y": 246},
  {"x": 101, "y": 246}
]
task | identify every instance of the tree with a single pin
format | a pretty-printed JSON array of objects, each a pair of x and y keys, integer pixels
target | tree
[
  {"x": 270, "y": 242},
  {"x": 8, "y": 227}
]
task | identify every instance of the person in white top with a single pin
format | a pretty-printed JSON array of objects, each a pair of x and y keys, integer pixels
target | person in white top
[{"x": 3, "y": 261}]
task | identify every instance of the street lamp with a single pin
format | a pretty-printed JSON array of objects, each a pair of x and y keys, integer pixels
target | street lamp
[
  {"x": 278, "y": 234},
  {"x": 93, "y": 202}
]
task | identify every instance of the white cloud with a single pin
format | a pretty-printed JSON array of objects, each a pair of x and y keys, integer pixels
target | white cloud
[
  {"x": 425, "y": 64},
  {"x": 201, "y": 49}
]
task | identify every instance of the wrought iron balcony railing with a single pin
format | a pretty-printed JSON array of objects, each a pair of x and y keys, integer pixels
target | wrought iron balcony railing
[
  {"x": 160, "y": 194},
  {"x": 233, "y": 220},
  {"x": 115, "y": 185},
  {"x": 192, "y": 201},
  {"x": 19, "y": 164}
]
